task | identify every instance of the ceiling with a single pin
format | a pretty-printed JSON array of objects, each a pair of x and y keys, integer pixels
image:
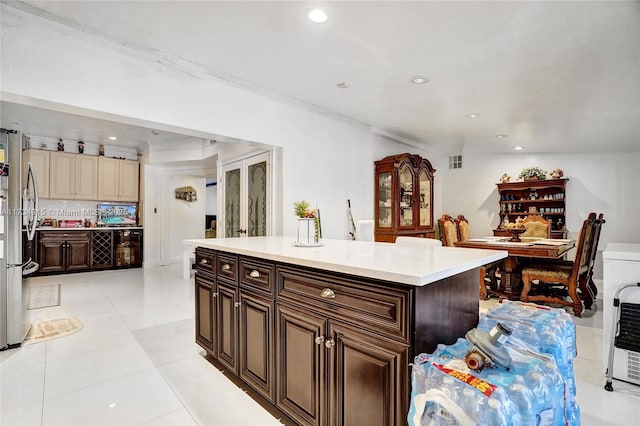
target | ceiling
[{"x": 553, "y": 76}]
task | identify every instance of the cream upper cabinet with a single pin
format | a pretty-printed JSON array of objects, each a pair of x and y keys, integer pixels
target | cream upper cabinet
[
  {"x": 73, "y": 176},
  {"x": 118, "y": 179},
  {"x": 86, "y": 185},
  {"x": 39, "y": 160},
  {"x": 129, "y": 177},
  {"x": 108, "y": 178},
  {"x": 62, "y": 167}
]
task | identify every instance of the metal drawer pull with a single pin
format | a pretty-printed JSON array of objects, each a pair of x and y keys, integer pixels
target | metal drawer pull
[
  {"x": 203, "y": 261},
  {"x": 254, "y": 274},
  {"x": 237, "y": 304},
  {"x": 319, "y": 340},
  {"x": 226, "y": 267},
  {"x": 327, "y": 293},
  {"x": 330, "y": 343}
]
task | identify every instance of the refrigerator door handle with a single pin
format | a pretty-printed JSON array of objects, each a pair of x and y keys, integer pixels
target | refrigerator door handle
[{"x": 33, "y": 223}]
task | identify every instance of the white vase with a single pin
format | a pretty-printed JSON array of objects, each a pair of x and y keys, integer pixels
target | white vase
[{"x": 307, "y": 231}]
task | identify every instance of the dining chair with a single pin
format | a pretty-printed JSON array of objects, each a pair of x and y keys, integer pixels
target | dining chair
[
  {"x": 417, "y": 242},
  {"x": 488, "y": 273},
  {"x": 536, "y": 226},
  {"x": 448, "y": 230},
  {"x": 589, "y": 285},
  {"x": 567, "y": 275}
]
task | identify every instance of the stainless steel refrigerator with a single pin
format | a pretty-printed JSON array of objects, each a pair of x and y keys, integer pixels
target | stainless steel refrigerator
[{"x": 18, "y": 215}]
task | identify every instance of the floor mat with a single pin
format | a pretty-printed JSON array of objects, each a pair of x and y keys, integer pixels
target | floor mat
[
  {"x": 42, "y": 331},
  {"x": 44, "y": 296}
]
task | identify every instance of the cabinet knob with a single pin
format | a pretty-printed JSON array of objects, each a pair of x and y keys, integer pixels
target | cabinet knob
[
  {"x": 237, "y": 304},
  {"x": 330, "y": 343},
  {"x": 226, "y": 267},
  {"x": 215, "y": 295},
  {"x": 203, "y": 261},
  {"x": 327, "y": 293},
  {"x": 254, "y": 274},
  {"x": 319, "y": 340}
]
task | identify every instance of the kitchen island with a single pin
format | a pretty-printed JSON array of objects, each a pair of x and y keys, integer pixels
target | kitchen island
[{"x": 326, "y": 334}]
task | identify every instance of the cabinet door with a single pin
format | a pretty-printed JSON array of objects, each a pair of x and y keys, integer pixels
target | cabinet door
[
  {"x": 205, "y": 313},
  {"x": 86, "y": 179},
  {"x": 51, "y": 255},
  {"x": 300, "y": 359},
  {"x": 78, "y": 254},
  {"x": 128, "y": 181},
  {"x": 108, "y": 178},
  {"x": 256, "y": 344},
  {"x": 227, "y": 326},
  {"x": 368, "y": 378},
  {"x": 62, "y": 175},
  {"x": 39, "y": 160}
]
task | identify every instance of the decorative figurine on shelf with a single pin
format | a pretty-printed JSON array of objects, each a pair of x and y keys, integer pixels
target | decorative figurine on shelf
[
  {"x": 80, "y": 147},
  {"x": 505, "y": 178},
  {"x": 101, "y": 151},
  {"x": 309, "y": 227},
  {"x": 557, "y": 174},
  {"x": 60, "y": 145}
]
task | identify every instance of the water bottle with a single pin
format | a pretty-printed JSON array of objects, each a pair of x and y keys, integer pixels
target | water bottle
[
  {"x": 493, "y": 415},
  {"x": 545, "y": 411},
  {"x": 472, "y": 404},
  {"x": 523, "y": 400}
]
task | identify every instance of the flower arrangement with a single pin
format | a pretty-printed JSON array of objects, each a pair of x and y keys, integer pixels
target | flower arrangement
[
  {"x": 301, "y": 209},
  {"x": 308, "y": 235},
  {"x": 532, "y": 173}
]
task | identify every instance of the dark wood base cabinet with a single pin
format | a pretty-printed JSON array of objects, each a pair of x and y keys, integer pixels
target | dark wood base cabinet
[
  {"x": 66, "y": 251},
  {"x": 324, "y": 348}
]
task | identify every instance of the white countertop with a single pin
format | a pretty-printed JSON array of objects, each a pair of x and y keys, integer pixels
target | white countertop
[
  {"x": 97, "y": 228},
  {"x": 622, "y": 251},
  {"x": 384, "y": 261}
]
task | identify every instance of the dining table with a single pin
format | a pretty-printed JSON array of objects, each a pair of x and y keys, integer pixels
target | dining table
[{"x": 518, "y": 253}]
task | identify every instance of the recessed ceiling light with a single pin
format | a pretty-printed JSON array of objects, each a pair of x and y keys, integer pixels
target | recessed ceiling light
[
  {"x": 342, "y": 85},
  {"x": 317, "y": 15},
  {"x": 113, "y": 138},
  {"x": 419, "y": 79},
  {"x": 155, "y": 132},
  {"x": 519, "y": 148},
  {"x": 501, "y": 136},
  {"x": 473, "y": 115}
]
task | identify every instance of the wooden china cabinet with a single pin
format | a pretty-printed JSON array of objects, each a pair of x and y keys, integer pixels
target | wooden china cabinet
[
  {"x": 545, "y": 197},
  {"x": 404, "y": 197}
]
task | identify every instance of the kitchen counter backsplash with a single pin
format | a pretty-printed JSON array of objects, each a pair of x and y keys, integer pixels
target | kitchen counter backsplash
[{"x": 68, "y": 210}]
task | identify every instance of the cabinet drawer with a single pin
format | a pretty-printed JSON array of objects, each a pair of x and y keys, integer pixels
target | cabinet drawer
[
  {"x": 257, "y": 275},
  {"x": 205, "y": 260},
  {"x": 227, "y": 267},
  {"x": 366, "y": 304},
  {"x": 65, "y": 235}
]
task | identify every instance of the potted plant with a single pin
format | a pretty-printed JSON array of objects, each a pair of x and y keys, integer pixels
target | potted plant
[
  {"x": 532, "y": 173},
  {"x": 308, "y": 224}
]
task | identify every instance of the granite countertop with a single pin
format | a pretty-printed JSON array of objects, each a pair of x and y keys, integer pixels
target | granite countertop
[{"x": 384, "y": 261}]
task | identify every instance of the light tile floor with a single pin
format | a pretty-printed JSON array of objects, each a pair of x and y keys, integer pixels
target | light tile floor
[{"x": 135, "y": 362}]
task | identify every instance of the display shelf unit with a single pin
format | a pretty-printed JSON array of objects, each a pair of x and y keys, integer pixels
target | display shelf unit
[
  {"x": 541, "y": 197},
  {"x": 404, "y": 197}
]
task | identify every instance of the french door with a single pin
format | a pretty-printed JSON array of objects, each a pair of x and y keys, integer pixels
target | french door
[{"x": 246, "y": 196}]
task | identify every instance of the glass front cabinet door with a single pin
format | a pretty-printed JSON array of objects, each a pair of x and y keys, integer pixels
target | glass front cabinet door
[{"x": 404, "y": 197}]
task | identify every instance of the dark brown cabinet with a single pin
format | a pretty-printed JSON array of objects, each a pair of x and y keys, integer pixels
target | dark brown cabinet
[
  {"x": 403, "y": 197},
  {"x": 321, "y": 347},
  {"x": 205, "y": 313},
  {"x": 64, "y": 252},
  {"x": 79, "y": 250},
  {"x": 538, "y": 197}
]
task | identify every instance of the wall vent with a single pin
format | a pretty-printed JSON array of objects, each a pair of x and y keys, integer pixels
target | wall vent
[{"x": 455, "y": 161}]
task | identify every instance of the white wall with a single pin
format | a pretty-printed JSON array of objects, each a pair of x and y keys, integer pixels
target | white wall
[
  {"x": 602, "y": 183},
  {"x": 211, "y": 195},
  {"x": 325, "y": 160}
]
